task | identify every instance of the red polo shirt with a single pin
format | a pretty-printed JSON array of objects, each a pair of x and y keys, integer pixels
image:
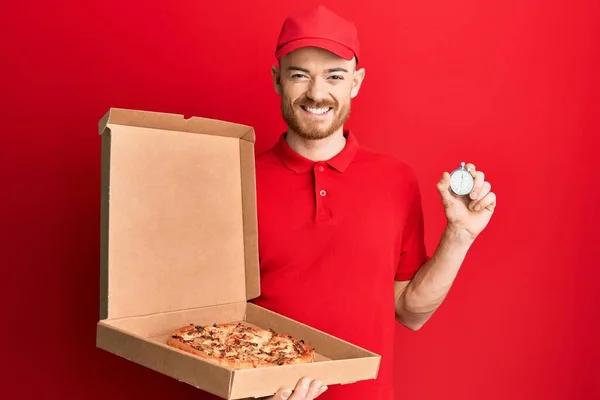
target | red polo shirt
[{"x": 333, "y": 237}]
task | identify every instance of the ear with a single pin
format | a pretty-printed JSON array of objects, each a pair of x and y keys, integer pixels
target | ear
[
  {"x": 275, "y": 72},
  {"x": 357, "y": 79}
]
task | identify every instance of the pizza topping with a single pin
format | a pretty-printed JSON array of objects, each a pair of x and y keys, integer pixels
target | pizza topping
[
  {"x": 299, "y": 348},
  {"x": 187, "y": 337}
]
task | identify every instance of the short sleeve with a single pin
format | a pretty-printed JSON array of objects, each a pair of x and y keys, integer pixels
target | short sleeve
[{"x": 413, "y": 253}]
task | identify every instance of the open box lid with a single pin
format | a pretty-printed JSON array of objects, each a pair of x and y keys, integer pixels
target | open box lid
[{"x": 179, "y": 225}]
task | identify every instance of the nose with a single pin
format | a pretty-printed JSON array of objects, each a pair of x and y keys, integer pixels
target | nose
[{"x": 316, "y": 90}]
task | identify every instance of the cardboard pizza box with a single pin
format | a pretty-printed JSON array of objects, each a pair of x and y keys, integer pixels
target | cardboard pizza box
[{"x": 179, "y": 245}]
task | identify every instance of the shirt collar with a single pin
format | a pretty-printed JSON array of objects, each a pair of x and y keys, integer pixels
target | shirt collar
[{"x": 299, "y": 163}]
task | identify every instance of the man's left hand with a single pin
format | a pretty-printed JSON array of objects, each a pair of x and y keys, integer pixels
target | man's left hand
[{"x": 470, "y": 213}]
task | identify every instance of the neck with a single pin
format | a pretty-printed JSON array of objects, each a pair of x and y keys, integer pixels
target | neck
[{"x": 317, "y": 150}]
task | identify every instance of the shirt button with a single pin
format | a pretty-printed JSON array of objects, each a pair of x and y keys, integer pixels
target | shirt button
[
  {"x": 321, "y": 168},
  {"x": 322, "y": 193}
]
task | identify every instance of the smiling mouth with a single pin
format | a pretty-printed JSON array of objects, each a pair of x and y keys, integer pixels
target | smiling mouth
[{"x": 316, "y": 111}]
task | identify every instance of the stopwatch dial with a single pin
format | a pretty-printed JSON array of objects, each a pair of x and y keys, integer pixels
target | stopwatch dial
[{"x": 461, "y": 182}]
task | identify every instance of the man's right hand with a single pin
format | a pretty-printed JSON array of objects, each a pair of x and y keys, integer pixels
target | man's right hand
[{"x": 306, "y": 389}]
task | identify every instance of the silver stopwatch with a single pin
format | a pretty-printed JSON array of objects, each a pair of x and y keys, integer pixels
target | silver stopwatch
[{"x": 461, "y": 181}]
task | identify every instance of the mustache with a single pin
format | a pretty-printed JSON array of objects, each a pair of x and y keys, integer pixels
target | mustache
[{"x": 304, "y": 101}]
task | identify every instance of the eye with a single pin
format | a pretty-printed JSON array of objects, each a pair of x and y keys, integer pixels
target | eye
[
  {"x": 337, "y": 77},
  {"x": 298, "y": 76}
]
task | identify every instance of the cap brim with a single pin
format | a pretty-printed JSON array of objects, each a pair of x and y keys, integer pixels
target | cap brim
[{"x": 334, "y": 47}]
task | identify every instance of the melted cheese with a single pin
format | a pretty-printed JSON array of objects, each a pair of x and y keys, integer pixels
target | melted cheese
[{"x": 187, "y": 336}]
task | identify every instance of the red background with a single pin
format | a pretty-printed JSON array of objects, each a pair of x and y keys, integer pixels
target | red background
[{"x": 512, "y": 86}]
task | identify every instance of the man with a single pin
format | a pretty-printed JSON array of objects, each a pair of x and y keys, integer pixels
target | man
[{"x": 340, "y": 226}]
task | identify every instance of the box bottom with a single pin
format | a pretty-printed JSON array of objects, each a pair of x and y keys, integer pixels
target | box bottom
[{"x": 143, "y": 340}]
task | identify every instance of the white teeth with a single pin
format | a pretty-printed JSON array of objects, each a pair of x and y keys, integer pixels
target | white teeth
[{"x": 317, "y": 110}]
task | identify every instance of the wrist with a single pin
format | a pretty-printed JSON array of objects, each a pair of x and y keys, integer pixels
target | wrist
[{"x": 457, "y": 236}]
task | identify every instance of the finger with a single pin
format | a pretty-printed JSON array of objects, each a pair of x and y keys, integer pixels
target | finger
[
  {"x": 321, "y": 391},
  {"x": 488, "y": 202},
  {"x": 314, "y": 389},
  {"x": 301, "y": 389},
  {"x": 471, "y": 168},
  {"x": 443, "y": 186},
  {"x": 485, "y": 189},
  {"x": 282, "y": 394},
  {"x": 477, "y": 185}
]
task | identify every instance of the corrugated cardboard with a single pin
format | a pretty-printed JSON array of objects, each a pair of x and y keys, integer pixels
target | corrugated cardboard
[{"x": 179, "y": 245}]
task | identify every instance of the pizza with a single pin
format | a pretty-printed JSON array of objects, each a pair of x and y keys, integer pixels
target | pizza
[{"x": 239, "y": 346}]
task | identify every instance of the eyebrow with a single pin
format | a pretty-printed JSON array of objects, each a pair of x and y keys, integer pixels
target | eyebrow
[
  {"x": 338, "y": 69},
  {"x": 330, "y": 70}
]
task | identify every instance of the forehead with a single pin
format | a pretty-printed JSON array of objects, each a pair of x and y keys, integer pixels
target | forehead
[{"x": 315, "y": 58}]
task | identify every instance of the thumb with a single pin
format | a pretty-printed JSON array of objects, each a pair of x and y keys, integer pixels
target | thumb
[{"x": 443, "y": 187}]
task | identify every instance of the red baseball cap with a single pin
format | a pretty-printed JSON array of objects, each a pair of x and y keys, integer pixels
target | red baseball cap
[{"x": 318, "y": 27}]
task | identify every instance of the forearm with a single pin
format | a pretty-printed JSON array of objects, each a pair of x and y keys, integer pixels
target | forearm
[{"x": 427, "y": 290}]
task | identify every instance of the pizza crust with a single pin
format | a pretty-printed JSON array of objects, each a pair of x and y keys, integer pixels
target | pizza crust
[{"x": 239, "y": 346}]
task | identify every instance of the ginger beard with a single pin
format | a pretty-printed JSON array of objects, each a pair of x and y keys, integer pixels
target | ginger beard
[{"x": 310, "y": 126}]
